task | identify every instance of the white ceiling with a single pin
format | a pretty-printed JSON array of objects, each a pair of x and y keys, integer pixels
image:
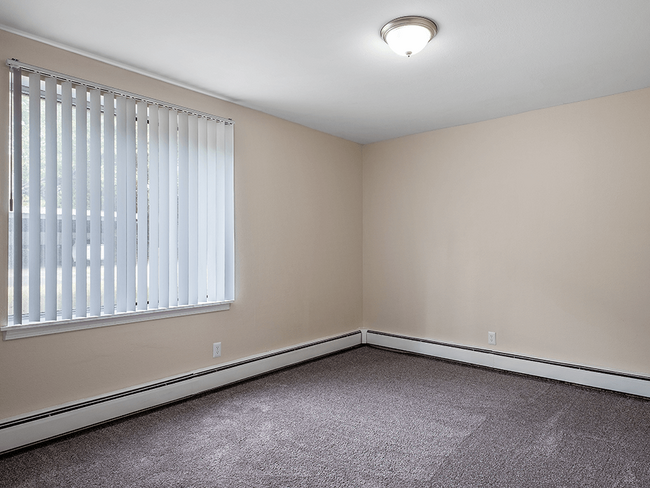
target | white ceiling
[{"x": 323, "y": 64}]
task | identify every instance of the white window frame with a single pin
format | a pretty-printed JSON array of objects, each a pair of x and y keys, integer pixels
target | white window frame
[{"x": 201, "y": 156}]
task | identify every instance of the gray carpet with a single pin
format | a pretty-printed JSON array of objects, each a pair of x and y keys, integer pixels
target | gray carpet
[{"x": 362, "y": 418}]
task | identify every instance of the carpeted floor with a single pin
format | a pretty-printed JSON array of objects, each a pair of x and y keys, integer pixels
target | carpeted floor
[{"x": 362, "y": 418}]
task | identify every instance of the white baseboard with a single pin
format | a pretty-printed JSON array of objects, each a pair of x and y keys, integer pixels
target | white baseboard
[
  {"x": 38, "y": 426},
  {"x": 571, "y": 373}
]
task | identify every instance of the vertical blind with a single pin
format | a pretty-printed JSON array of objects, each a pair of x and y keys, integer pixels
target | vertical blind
[{"x": 120, "y": 203}]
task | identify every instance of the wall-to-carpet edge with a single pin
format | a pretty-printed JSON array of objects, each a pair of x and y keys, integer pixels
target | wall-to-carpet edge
[
  {"x": 35, "y": 427},
  {"x": 570, "y": 373}
]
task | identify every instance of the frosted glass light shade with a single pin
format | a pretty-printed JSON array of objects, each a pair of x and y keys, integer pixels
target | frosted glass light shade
[
  {"x": 408, "y": 40},
  {"x": 408, "y": 35}
]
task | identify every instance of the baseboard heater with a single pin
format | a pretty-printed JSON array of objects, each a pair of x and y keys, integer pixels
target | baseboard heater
[
  {"x": 26, "y": 430},
  {"x": 570, "y": 373}
]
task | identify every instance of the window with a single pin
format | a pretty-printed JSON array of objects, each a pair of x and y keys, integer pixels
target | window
[{"x": 122, "y": 206}]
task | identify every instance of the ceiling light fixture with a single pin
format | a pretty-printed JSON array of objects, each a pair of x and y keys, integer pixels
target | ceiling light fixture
[{"x": 408, "y": 35}]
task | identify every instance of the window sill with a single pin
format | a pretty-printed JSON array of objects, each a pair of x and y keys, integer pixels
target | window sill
[{"x": 54, "y": 327}]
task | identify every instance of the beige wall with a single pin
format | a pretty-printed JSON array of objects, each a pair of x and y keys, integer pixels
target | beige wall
[
  {"x": 298, "y": 224},
  {"x": 536, "y": 226}
]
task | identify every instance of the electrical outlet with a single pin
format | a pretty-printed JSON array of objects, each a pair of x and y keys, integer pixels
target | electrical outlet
[
  {"x": 492, "y": 338},
  {"x": 216, "y": 349}
]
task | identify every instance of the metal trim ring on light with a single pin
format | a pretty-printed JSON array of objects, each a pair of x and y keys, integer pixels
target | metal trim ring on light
[{"x": 428, "y": 24}]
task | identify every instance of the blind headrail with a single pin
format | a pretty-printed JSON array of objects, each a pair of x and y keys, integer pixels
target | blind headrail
[{"x": 14, "y": 63}]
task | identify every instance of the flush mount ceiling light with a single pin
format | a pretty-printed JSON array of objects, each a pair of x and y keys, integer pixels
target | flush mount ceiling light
[{"x": 408, "y": 35}]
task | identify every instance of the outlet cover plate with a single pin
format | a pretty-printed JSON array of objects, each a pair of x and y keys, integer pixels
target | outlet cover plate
[
  {"x": 492, "y": 338},
  {"x": 216, "y": 349}
]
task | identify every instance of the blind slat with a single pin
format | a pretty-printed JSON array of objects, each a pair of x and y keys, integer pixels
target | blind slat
[
  {"x": 220, "y": 224},
  {"x": 34, "y": 252},
  {"x": 95, "y": 192},
  {"x": 81, "y": 197},
  {"x": 109, "y": 203},
  {"x": 183, "y": 210},
  {"x": 51, "y": 205},
  {"x": 211, "y": 205},
  {"x": 142, "y": 206},
  {"x": 163, "y": 226},
  {"x": 202, "y": 203},
  {"x": 229, "y": 275},
  {"x": 153, "y": 206},
  {"x": 66, "y": 200},
  {"x": 130, "y": 205},
  {"x": 173, "y": 208},
  {"x": 18, "y": 194},
  {"x": 121, "y": 176},
  {"x": 193, "y": 210}
]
